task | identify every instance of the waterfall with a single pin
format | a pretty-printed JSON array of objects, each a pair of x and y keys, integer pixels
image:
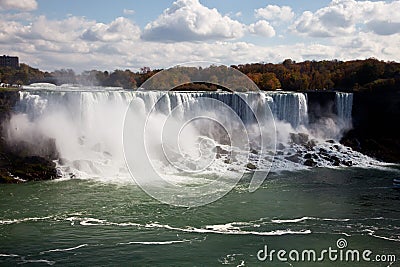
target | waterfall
[
  {"x": 86, "y": 124},
  {"x": 290, "y": 107},
  {"x": 85, "y": 108},
  {"x": 344, "y": 106}
]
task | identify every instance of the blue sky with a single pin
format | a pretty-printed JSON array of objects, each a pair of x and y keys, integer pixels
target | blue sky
[
  {"x": 101, "y": 34},
  {"x": 146, "y": 11}
]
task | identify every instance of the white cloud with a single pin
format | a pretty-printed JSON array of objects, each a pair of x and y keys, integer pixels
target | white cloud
[
  {"x": 120, "y": 29},
  {"x": 368, "y": 44},
  {"x": 384, "y": 27},
  {"x": 63, "y": 41},
  {"x": 61, "y": 31},
  {"x": 128, "y": 11},
  {"x": 80, "y": 43},
  {"x": 24, "y": 16},
  {"x": 275, "y": 13},
  {"x": 188, "y": 20},
  {"x": 26, "y": 5},
  {"x": 107, "y": 55},
  {"x": 263, "y": 28},
  {"x": 346, "y": 17}
]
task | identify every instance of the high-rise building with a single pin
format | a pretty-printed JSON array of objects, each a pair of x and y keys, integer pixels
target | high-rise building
[{"x": 7, "y": 61}]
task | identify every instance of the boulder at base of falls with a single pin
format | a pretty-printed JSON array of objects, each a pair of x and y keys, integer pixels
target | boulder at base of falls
[
  {"x": 310, "y": 163},
  {"x": 16, "y": 169},
  {"x": 294, "y": 158},
  {"x": 299, "y": 138},
  {"x": 251, "y": 166}
]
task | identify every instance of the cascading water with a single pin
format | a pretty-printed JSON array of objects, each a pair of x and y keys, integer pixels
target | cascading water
[
  {"x": 86, "y": 127},
  {"x": 290, "y": 107},
  {"x": 87, "y": 124},
  {"x": 344, "y": 105}
]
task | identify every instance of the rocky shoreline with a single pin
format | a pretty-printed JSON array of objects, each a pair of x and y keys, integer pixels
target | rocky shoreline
[
  {"x": 383, "y": 148},
  {"x": 17, "y": 169}
]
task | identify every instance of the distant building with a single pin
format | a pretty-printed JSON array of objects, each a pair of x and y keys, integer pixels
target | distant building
[{"x": 7, "y": 61}]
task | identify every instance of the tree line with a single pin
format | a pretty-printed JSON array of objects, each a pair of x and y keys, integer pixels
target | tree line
[
  {"x": 25, "y": 75},
  {"x": 356, "y": 75}
]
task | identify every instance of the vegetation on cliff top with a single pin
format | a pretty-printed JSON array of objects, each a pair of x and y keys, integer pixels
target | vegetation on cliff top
[{"x": 357, "y": 75}]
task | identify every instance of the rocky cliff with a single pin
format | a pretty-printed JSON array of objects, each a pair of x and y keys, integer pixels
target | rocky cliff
[
  {"x": 16, "y": 164},
  {"x": 376, "y": 125}
]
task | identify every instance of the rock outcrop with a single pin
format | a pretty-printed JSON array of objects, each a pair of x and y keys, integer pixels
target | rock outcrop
[
  {"x": 17, "y": 163},
  {"x": 376, "y": 128}
]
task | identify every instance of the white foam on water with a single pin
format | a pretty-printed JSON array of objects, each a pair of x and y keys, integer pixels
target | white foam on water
[
  {"x": 155, "y": 242},
  {"x": 15, "y": 221},
  {"x": 335, "y": 220},
  {"x": 230, "y": 259},
  {"x": 345, "y": 234},
  {"x": 234, "y": 228},
  {"x": 38, "y": 261},
  {"x": 302, "y": 219},
  {"x": 64, "y": 249},
  {"x": 23, "y": 259},
  {"x": 291, "y": 220},
  {"x": 8, "y": 255},
  {"x": 372, "y": 233},
  {"x": 386, "y": 238},
  {"x": 87, "y": 221},
  {"x": 228, "y": 229}
]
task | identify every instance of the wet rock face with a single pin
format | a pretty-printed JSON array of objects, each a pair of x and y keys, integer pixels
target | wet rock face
[
  {"x": 375, "y": 125},
  {"x": 19, "y": 163},
  {"x": 299, "y": 138},
  {"x": 320, "y": 105},
  {"x": 8, "y": 99},
  {"x": 46, "y": 149},
  {"x": 382, "y": 148},
  {"x": 17, "y": 169}
]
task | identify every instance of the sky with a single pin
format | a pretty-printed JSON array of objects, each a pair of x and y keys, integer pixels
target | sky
[{"x": 130, "y": 34}]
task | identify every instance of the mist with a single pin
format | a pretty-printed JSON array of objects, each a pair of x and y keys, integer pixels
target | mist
[{"x": 95, "y": 133}]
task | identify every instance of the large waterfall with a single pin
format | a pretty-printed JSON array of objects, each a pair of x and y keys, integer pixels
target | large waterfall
[
  {"x": 86, "y": 124},
  {"x": 83, "y": 105}
]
